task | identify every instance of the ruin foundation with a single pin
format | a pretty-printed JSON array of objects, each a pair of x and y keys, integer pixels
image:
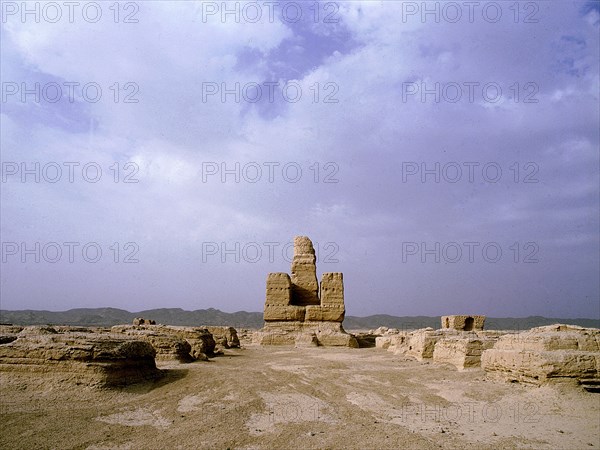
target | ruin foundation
[{"x": 543, "y": 354}]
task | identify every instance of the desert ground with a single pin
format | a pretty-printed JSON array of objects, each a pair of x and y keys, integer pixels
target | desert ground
[{"x": 283, "y": 397}]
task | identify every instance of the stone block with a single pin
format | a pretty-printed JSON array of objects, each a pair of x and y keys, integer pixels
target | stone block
[
  {"x": 543, "y": 354},
  {"x": 305, "y": 287},
  {"x": 463, "y": 323},
  {"x": 325, "y": 313},
  {"x": 279, "y": 289},
  {"x": 286, "y": 313},
  {"x": 332, "y": 289}
]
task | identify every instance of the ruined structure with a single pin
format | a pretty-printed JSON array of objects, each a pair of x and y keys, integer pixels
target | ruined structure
[
  {"x": 462, "y": 349},
  {"x": 300, "y": 311},
  {"x": 93, "y": 359},
  {"x": 544, "y": 354},
  {"x": 551, "y": 353},
  {"x": 173, "y": 342},
  {"x": 463, "y": 323},
  {"x": 142, "y": 321},
  {"x": 226, "y": 337}
]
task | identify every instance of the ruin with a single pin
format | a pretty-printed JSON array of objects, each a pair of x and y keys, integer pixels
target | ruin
[
  {"x": 173, "y": 342},
  {"x": 142, "y": 321},
  {"x": 92, "y": 359},
  {"x": 459, "y": 348},
  {"x": 463, "y": 323},
  {"x": 545, "y": 354},
  {"x": 226, "y": 337},
  {"x": 559, "y": 352},
  {"x": 460, "y": 351},
  {"x": 299, "y": 311}
]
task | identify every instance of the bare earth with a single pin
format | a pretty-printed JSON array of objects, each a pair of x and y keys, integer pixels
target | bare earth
[{"x": 275, "y": 397}]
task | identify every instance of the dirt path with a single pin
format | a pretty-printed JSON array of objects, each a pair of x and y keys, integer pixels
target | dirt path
[{"x": 263, "y": 398}]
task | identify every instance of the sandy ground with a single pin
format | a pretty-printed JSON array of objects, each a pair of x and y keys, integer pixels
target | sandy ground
[{"x": 279, "y": 398}]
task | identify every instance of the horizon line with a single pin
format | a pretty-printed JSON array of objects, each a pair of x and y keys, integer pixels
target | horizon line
[{"x": 259, "y": 312}]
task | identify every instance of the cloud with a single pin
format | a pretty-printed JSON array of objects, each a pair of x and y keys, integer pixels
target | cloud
[{"x": 332, "y": 162}]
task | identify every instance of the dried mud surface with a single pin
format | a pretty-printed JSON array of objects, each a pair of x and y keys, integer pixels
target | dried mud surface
[{"x": 281, "y": 398}]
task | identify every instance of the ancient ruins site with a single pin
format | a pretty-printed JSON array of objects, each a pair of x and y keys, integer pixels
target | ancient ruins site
[{"x": 301, "y": 381}]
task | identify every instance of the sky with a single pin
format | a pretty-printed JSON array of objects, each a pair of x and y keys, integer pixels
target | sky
[{"x": 443, "y": 155}]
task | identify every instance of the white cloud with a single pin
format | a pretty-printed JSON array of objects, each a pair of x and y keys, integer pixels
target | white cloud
[{"x": 368, "y": 133}]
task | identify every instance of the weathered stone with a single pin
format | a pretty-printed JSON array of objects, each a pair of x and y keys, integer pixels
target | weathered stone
[
  {"x": 290, "y": 313},
  {"x": 552, "y": 338},
  {"x": 200, "y": 339},
  {"x": 462, "y": 352},
  {"x": 224, "y": 336},
  {"x": 305, "y": 287},
  {"x": 278, "y": 305},
  {"x": 463, "y": 323},
  {"x": 543, "y": 354},
  {"x": 170, "y": 348},
  {"x": 37, "y": 330},
  {"x": 383, "y": 342},
  {"x": 78, "y": 329},
  {"x": 418, "y": 344},
  {"x": 332, "y": 334},
  {"x": 332, "y": 289},
  {"x": 537, "y": 367},
  {"x": 142, "y": 321},
  {"x": 275, "y": 336},
  {"x": 279, "y": 289},
  {"x": 325, "y": 313},
  {"x": 10, "y": 329},
  {"x": 297, "y": 304},
  {"x": 82, "y": 358},
  {"x": 460, "y": 348},
  {"x": 306, "y": 340},
  {"x": 9, "y": 333},
  {"x": 384, "y": 331},
  {"x": 296, "y": 299},
  {"x": 285, "y": 333},
  {"x": 555, "y": 352}
]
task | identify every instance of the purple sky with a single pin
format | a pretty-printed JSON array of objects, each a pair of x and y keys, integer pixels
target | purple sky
[{"x": 379, "y": 100}]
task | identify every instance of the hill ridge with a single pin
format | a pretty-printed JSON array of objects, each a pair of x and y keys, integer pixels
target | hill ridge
[{"x": 108, "y": 316}]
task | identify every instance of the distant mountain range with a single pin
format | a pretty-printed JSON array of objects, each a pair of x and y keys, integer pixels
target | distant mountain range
[{"x": 106, "y": 317}]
